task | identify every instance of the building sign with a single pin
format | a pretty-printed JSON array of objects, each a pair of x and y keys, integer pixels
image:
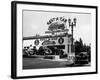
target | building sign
[
  {"x": 36, "y": 42},
  {"x": 47, "y": 42},
  {"x": 44, "y": 39},
  {"x": 60, "y": 40},
  {"x": 56, "y": 24},
  {"x": 62, "y": 19}
]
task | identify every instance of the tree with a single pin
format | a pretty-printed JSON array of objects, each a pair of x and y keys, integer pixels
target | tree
[{"x": 79, "y": 45}]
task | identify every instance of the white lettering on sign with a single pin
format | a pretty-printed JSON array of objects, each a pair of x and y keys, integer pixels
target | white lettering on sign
[
  {"x": 62, "y": 19},
  {"x": 53, "y": 38}
]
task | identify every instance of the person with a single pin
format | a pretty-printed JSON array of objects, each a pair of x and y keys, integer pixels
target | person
[{"x": 34, "y": 50}]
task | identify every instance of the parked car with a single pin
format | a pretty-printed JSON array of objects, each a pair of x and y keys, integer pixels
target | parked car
[
  {"x": 43, "y": 50},
  {"x": 33, "y": 51},
  {"x": 81, "y": 59},
  {"x": 26, "y": 51},
  {"x": 56, "y": 51}
]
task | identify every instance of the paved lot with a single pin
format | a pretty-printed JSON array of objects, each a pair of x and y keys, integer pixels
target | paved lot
[{"x": 38, "y": 63}]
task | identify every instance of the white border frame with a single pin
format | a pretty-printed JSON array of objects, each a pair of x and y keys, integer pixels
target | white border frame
[{"x": 51, "y": 71}]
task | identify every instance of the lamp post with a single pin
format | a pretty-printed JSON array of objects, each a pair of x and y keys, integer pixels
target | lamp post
[{"x": 72, "y": 24}]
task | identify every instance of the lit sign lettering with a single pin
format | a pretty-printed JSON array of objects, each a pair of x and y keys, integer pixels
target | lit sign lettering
[
  {"x": 48, "y": 42},
  {"x": 62, "y": 19},
  {"x": 44, "y": 39}
]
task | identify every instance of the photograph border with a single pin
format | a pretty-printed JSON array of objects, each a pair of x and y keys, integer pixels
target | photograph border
[{"x": 14, "y": 38}]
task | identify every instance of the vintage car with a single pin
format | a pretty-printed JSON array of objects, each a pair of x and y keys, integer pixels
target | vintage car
[
  {"x": 43, "y": 50},
  {"x": 27, "y": 51},
  {"x": 81, "y": 58}
]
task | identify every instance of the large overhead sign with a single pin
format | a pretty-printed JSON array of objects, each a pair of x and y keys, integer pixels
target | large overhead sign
[
  {"x": 57, "y": 23},
  {"x": 61, "y": 19}
]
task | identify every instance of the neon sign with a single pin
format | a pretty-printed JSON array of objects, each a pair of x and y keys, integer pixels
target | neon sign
[{"x": 62, "y": 19}]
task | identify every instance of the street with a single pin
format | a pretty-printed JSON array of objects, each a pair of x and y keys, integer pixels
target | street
[{"x": 38, "y": 63}]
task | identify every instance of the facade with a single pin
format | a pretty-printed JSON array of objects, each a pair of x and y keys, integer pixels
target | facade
[{"x": 60, "y": 41}]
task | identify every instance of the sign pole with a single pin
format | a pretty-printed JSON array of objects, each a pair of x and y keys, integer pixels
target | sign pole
[{"x": 72, "y": 24}]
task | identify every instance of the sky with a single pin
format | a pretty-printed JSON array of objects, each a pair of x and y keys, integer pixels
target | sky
[{"x": 35, "y": 22}]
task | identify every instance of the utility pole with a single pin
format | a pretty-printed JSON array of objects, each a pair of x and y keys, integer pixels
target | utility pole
[{"x": 72, "y": 24}]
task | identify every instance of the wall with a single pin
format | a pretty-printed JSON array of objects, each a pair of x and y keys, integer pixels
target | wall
[{"x": 5, "y": 41}]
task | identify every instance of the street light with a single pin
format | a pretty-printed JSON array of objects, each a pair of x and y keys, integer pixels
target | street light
[{"x": 72, "y": 24}]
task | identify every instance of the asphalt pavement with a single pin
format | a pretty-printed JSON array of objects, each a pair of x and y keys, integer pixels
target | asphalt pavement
[{"x": 38, "y": 63}]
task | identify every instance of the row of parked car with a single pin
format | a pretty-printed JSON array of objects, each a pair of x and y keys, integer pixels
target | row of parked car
[
  {"x": 80, "y": 59},
  {"x": 42, "y": 51}
]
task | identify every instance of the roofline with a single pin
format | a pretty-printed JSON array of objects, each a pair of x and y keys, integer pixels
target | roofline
[{"x": 45, "y": 36}]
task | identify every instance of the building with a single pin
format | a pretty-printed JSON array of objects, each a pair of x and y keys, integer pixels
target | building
[{"x": 56, "y": 36}]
